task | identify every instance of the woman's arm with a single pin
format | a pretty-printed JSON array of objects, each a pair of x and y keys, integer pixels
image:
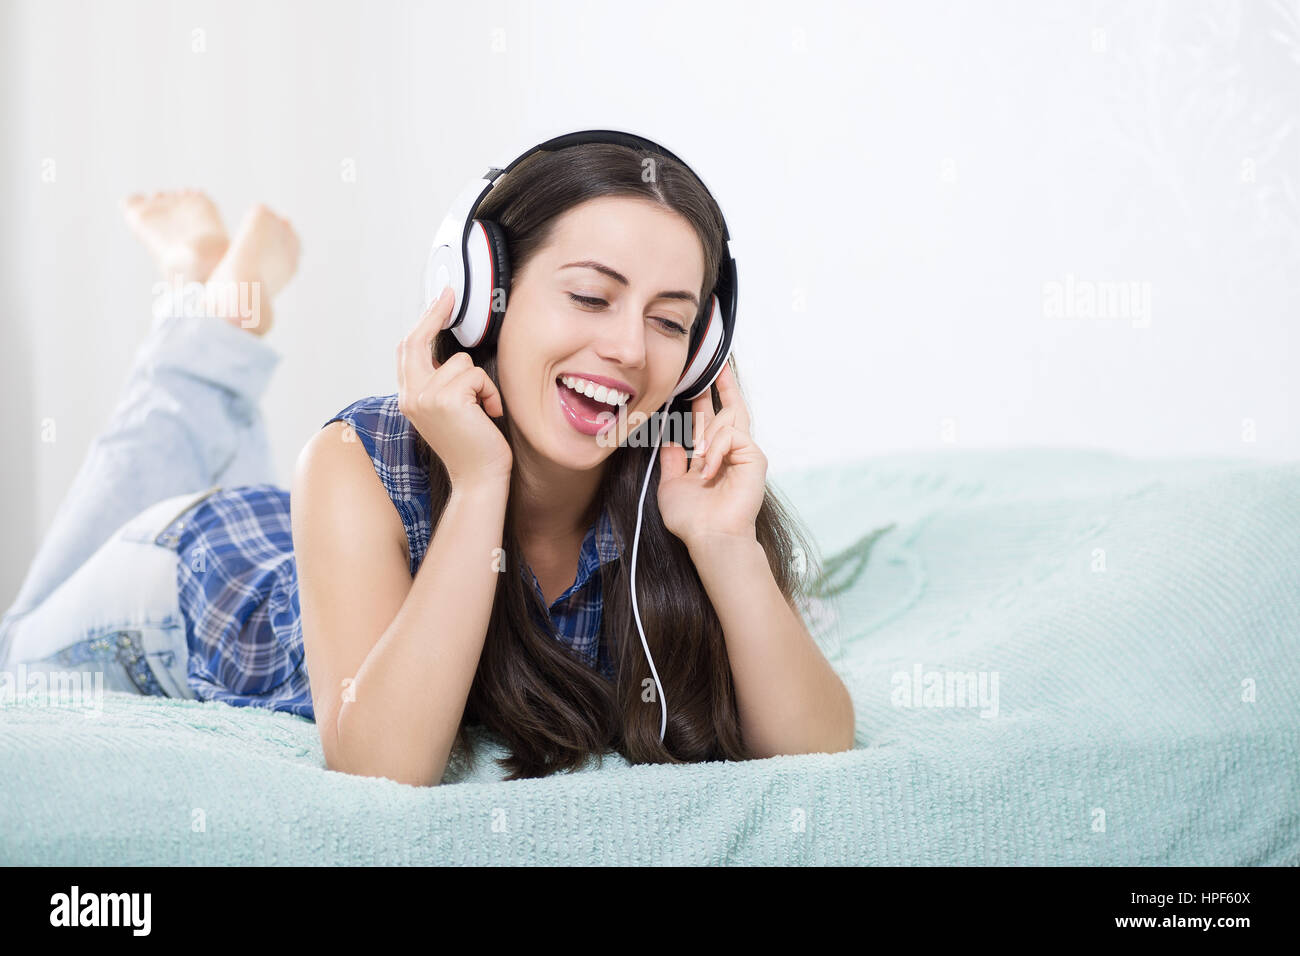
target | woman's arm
[
  {"x": 791, "y": 701},
  {"x": 390, "y": 658}
]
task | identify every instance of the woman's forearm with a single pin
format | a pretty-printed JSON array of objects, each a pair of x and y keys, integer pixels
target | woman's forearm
[
  {"x": 407, "y": 700},
  {"x": 790, "y": 699}
]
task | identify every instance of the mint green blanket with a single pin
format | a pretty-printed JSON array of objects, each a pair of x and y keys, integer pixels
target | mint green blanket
[{"x": 1056, "y": 658}]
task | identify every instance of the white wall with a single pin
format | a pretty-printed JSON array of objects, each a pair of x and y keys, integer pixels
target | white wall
[{"x": 903, "y": 181}]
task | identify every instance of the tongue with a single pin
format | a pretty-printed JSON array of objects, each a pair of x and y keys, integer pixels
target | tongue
[{"x": 588, "y": 406}]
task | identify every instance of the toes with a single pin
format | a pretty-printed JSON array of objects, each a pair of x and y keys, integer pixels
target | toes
[
  {"x": 134, "y": 207},
  {"x": 256, "y": 213}
]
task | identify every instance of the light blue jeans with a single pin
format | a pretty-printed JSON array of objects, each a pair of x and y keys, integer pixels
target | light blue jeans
[{"x": 100, "y": 595}]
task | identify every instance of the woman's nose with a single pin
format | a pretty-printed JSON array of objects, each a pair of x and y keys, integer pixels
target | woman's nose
[{"x": 624, "y": 341}]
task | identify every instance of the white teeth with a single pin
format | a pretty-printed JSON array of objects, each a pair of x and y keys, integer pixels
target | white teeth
[{"x": 610, "y": 396}]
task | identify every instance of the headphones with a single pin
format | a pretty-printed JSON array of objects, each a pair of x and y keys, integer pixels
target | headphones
[{"x": 471, "y": 256}]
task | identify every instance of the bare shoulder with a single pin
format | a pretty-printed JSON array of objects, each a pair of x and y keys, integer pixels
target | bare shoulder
[{"x": 335, "y": 470}]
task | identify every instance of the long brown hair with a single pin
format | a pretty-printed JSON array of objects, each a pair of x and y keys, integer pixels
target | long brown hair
[{"x": 549, "y": 707}]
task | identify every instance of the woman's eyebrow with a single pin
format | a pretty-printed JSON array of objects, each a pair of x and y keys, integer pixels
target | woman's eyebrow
[{"x": 622, "y": 280}]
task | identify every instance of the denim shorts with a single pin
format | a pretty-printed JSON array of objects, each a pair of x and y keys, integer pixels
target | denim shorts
[{"x": 118, "y": 614}]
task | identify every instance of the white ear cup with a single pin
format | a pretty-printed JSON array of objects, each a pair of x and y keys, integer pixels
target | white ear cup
[
  {"x": 473, "y": 304},
  {"x": 438, "y": 273},
  {"x": 707, "y": 351},
  {"x": 442, "y": 269}
]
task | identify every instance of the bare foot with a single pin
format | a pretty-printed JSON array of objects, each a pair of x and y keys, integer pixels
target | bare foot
[
  {"x": 258, "y": 264},
  {"x": 181, "y": 229}
]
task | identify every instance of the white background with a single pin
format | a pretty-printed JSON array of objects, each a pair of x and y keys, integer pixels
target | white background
[{"x": 902, "y": 181}]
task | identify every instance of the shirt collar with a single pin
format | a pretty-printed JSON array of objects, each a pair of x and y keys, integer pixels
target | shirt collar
[
  {"x": 599, "y": 547},
  {"x": 607, "y": 545}
]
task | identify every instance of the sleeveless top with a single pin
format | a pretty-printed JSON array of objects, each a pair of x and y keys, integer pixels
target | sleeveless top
[{"x": 238, "y": 583}]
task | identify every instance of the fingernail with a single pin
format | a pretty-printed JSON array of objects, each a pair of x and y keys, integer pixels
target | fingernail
[{"x": 702, "y": 447}]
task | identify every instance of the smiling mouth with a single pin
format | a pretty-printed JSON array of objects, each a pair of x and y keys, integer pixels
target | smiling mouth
[
  {"x": 593, "y": 405},
  {"x": 587, "y": 415}
]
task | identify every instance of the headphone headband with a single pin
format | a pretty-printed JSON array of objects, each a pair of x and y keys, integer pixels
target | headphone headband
[
  {"x": 470, "y": 255},
  {"x": 615, "y": 138}
]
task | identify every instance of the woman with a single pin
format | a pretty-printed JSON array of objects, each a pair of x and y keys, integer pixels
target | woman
[{"x": 410, "y": 512}]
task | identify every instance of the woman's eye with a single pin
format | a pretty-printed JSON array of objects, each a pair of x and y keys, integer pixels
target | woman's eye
[{"x": 588, "y": 301}]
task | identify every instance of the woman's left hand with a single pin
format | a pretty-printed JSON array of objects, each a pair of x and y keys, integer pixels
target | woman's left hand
[{"x": 718, "y": 496}]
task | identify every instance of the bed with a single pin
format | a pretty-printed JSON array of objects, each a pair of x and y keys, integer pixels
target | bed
[{"x": 1056, "y": 657}]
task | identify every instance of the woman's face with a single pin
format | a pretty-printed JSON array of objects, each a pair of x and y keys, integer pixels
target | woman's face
[{"x": 629, "y": 334}]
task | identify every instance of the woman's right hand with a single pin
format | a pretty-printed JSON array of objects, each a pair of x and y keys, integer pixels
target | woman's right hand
[{"x": 449, "y": 404}]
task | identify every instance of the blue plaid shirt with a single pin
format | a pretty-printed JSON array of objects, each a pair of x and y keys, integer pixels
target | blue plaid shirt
[{"x": 238, "y": 581}]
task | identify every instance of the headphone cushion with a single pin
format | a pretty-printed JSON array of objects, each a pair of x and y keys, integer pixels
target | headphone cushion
[{"x": 501, "y": 272}]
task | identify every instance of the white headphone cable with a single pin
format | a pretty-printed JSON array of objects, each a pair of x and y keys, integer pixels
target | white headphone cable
[{"x": 663, "y": 703}]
